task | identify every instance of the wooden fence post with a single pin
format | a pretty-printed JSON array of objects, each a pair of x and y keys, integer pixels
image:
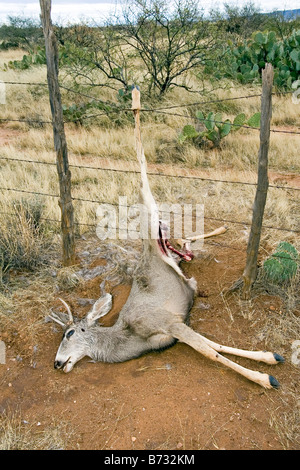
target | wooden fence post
[
  {"x": 250, "y": 271},
  {"x": 60, "y": 144}
]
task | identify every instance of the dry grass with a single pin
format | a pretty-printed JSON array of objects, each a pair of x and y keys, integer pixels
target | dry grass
[
  {"x": 23, "y": 244},
  {"x": 18, "y": 434},
  {"x": 287, "y": 423}
]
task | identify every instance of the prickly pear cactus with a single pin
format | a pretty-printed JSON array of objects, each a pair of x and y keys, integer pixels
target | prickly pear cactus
[
  {"x": 188, "y": 133},
  {"x": 216, "y": 128},
  {"x": 246, "y": 60},
  {"x": 282, "y": 265}
]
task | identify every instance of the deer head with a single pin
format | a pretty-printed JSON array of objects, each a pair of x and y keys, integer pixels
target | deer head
[{"x": 78, "y": 335}]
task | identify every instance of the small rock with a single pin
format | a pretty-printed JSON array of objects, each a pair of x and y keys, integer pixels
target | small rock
[
  {"x": 203, "y": 306},
  {"x": 85, "y": 253}
]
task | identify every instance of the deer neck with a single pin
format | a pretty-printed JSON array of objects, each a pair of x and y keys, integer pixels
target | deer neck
[{"x": 106, "y": 343}]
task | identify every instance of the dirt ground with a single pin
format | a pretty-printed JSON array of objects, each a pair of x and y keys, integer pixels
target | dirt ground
[{"x": 170, "y": 400}]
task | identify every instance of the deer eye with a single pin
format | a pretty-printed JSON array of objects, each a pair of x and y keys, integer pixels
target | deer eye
[{"x": 70, "y": 333}]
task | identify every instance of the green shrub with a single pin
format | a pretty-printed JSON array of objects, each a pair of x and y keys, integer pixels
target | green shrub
[
  {"x": 282, "y": 265},
  {"x": 33, "y": 58},
  {"x": 79, "y": 112}
]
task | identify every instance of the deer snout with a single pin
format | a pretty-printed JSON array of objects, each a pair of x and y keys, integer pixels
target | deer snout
[{"x": 66, "y": 366}]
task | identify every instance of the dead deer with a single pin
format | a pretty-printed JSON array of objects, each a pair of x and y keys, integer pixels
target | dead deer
[{"x": 155, "y": 314}]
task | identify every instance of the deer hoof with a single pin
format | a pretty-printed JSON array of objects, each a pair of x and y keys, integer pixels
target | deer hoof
[
  {"x": 278, "y": 358},
  {"x": 273, "y": 382}
]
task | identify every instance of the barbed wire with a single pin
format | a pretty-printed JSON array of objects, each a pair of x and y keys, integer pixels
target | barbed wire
[
  {"x": 82, "y": 118},
  {"x": 160, "y": 110},
  {"x": 208, "y": 242},
  {"x": 198, "y": 103},
  {"x": 86, "y": 95},
  {"x": 272, "y": 255},
  {"x": 97, "y": 201},
  {"x": 149, "y": 173},
  {"x": 40, "y": 121},
  {"x": 195, "y": 103},
  {"x": 46, "y": 219},
  {"x": 24, "y": 83}
]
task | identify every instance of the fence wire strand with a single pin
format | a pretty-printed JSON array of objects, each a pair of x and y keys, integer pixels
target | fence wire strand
[
  {"x": 208, "y": 242},
  {"x": 97, "y": 201},
  {"x": 160, "y": 110},
  {"x": 149, "y": 173}
]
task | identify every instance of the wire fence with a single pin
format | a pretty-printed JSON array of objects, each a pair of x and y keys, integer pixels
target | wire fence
[
  {"x": 161, "y": 110},
  {"x": 150, "y": 173},
  {"x": 98, "y": 201},
  {"x": 218, "y": 244},
  {"x": 165, "y": 110}
]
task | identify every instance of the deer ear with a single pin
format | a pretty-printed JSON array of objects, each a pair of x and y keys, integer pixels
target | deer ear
[{"x": 100, "y": 308}]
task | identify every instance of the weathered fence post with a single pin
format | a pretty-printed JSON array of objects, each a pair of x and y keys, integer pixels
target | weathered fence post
[
  {"x": 60, "y": 144},
  {"x": 250, "y": 271}
]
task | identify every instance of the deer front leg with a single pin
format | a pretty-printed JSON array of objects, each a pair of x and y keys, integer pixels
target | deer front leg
[{"x": 186, "y": 335}]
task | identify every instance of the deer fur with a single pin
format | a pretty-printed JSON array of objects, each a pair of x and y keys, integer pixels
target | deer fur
[{"x": 156, "y": 312}]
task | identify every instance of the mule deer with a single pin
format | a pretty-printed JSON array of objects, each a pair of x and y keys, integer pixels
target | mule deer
[{"x": 155, "y": 314}]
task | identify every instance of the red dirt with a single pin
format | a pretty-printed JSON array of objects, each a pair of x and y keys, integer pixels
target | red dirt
[
  {"x": 175, "y": 399},
  {"x": 7, "y": 134}
]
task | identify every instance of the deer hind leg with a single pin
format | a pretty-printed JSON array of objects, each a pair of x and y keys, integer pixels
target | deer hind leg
[
  {"x": 186, "y": 335},
  {"x": 261, "y": 356}
]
